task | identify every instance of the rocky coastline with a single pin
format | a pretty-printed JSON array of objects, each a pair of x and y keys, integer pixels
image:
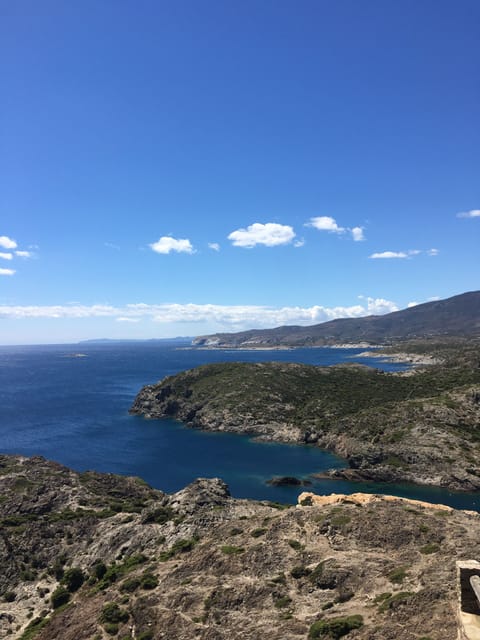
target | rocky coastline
[{"x": 423, "y": 429}]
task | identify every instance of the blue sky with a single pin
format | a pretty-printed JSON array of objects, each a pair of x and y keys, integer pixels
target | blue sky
[{"x": 179, "y": 168}]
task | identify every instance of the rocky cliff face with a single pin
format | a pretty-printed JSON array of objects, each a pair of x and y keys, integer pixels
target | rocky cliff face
[
  {"x": 422, "y": 428},
  {"x": 128, "y": 561}
]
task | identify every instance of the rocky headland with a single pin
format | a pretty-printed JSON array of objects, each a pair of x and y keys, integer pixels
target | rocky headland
[
  {"x": 422, "y": 428},
  {"x": 90, "y": 556}
]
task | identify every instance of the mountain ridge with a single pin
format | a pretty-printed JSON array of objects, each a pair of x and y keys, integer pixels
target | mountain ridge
[{"x": 455, "y": 316}]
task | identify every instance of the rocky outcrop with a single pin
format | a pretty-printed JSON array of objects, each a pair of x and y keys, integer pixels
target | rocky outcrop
[{"x": 200, "y": 564}]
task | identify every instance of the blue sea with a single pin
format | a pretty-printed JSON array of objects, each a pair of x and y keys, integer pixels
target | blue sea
[{"x": 74, "y": 409}]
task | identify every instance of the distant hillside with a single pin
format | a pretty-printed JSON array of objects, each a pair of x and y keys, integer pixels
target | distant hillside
[{"x": 456, "y": 316}]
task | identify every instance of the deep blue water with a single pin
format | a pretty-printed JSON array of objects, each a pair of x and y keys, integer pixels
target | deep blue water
[{"x": 75, "y": 410}]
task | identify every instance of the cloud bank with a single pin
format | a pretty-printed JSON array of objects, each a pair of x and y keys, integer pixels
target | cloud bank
[{"x": 219, "y": 317}]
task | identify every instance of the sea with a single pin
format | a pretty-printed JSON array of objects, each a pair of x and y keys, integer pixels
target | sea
[{"x": 69, "y": 403}]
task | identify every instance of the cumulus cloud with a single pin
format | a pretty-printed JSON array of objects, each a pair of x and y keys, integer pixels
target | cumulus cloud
[
  {"x": 329, "y": 224},
  {"x": 23, "y": 254},
  {"x": 473, "y": 213},
  {"x": 167, "y": 244},
  {"x": 7, "y": 272},
  {"x": 412, "y": 304},
  {"x": 215, "y": 317},
  {"x": 6, "y": 256},
  {"x": 7, "y": 243},
  {"x": 388, "y": 255},
  {"x": 357, "y": 234},
  {"x": 214, "y": 246},
  {"x": 299, "y": 243},
  {"x": 325, "y": 223},
  {"x": 433, "y": 252},
  {"x": 270, "y": 234}
]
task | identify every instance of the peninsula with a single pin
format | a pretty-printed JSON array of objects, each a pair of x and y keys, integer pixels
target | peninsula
[{"x": 421, "y": 426}]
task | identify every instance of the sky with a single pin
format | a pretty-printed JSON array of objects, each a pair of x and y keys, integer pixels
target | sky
[{"x": 178, "y": 168}]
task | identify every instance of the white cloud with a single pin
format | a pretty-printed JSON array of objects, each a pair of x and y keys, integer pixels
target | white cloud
[
  {"x": 325, "y": 223},
  {"x": 389, "y": 254},
  {"x": 112, "y": 245},
  {"x": 403, "y": 254},
  {"x": 7, "y": 272},
  {"x": 214, "y": 317},
  {"x": 357, "y": 234},
  {"x": 473, "y": 213},
  {"x": 23, "y": 254},
  {"x": 7, "y": 243},
  {"x": 270, "y": 234},
  {"x": 6, "y": 256},
  {"x": 299, "y": 243},
  {"x": 166, "y": 244},
  {"x": 412, "y": 304},
  {"x": 214, "y": 246}
]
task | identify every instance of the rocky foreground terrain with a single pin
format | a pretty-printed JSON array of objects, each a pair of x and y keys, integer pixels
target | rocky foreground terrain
[
  {"x": 422, "y": 426},
  {"x": 94, "y": 556}
]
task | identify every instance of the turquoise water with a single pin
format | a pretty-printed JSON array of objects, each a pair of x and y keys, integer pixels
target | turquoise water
[{"x": 75, "y": 410}]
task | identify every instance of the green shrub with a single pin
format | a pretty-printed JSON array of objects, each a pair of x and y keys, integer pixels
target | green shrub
[
  {"x": 73, "y": 579},
  {"x": 158, "y": 516},
  {"x": 299, "y": 572},
  {"x": 398, "y": 575},
  {"x": 99, "y": 570},
  {"x": 33, "y": 628},
  {"x": 335, "y": 627},
  {"x": 146, "y": 635},
  {"x": 9, "y": 596},
  {"x": 59, "y": 597},
  {"x": 112, "y": 613},
  {"x": 282, "y": 602},
  {"x": 256, "y": 533},
  {"x": 392, "y": 600},
  {"x": 111, "y": 628},
  {"x": 231, "y": 550},
  {"x": 295, "y": 544},
  {"x": 130, "y": 584},
  {"x": 431, "y": 547},
  {"x": 149, "y": 581}
]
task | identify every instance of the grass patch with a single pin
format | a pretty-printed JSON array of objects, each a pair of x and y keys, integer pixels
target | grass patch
[
  {"x": 231, "y": 550},
  {"x": 431, "y": 547}
]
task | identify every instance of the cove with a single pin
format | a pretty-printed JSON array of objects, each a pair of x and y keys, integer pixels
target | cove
[{"x": 75, "y": 410}]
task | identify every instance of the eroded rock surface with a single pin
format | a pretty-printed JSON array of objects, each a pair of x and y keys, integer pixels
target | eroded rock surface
[{"x": 200, "y": 564}]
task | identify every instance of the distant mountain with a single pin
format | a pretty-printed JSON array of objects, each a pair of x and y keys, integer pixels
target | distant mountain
[
  {"x": 179, "y": 339},
  {"x": 456, "y": 316}
]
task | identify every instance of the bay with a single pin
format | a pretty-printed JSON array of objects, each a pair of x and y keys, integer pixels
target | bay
[{"x": 70, "y": 403}]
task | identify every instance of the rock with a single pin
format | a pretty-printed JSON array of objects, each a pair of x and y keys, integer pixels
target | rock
[{"x": 287, "y": 481}]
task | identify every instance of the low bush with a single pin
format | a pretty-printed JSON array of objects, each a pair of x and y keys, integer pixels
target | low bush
[
  {"x": 335, "y": 627},
  {"x": 59, "y": 597}
]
